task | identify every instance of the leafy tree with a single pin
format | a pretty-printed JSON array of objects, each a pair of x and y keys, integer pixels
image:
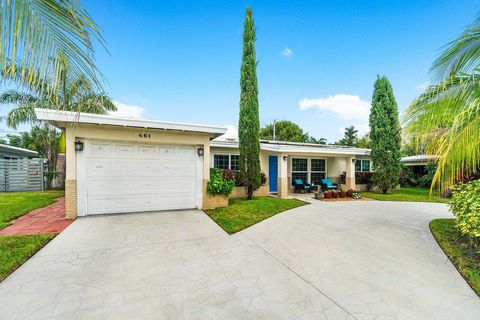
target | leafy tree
[
  {"x": 284, "y": 131},
  {"x": 350, "y": 137},
  {"x": 364, "y": 142},
  {"x": 412, "y": 146},
  {"x": 446, "y": 117},
  {"x": 75, "y": 94},
  {"x": 249, "y": 122},
  {"x": 311, "y": 139},
  {"x": 39, "y": 32},
  {"x": 385, "y": 136},
  {"x": 288, "y": 131}
]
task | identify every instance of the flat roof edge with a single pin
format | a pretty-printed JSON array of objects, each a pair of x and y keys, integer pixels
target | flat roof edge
[{"x": 57, "y": 116}]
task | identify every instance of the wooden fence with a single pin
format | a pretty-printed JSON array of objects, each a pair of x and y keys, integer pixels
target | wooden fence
[{"x": 21, "y": 175}]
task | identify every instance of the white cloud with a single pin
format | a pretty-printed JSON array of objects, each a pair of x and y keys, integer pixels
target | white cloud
[
  {"x": 349, "y": 108},
  {"x": 127, "y": 110},
  {"x": 423, "y": 86},
  {"x": 344, "y": 106},
  {"x": 287, "y": 52}
]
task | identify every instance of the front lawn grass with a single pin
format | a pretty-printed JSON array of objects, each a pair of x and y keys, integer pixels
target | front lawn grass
[
  {"x": 15, "y": 250},
  {"x": 242, "y": 213},
  {"x": 16, "y": 204},
  {"x": 465, "y": 258},
  {"x": 411, "y": 194}
]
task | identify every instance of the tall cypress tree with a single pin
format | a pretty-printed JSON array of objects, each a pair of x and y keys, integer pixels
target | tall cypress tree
[
  {"x": 385, "y": 136},
  {"x": 249, "y": 123}
]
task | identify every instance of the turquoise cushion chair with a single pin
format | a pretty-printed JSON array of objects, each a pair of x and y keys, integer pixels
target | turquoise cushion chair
[
  {"x": 328, "y": 185},
  {"x": 300, "y": 186}
]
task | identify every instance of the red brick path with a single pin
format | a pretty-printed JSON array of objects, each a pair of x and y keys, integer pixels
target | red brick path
[{"x": 50, "y": 219}]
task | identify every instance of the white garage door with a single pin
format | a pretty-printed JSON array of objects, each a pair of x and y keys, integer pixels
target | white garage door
[{"x": 123, "y": 177}]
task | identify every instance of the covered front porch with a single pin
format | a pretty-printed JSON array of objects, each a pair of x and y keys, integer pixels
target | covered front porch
[{"x": 284, "y": 169}]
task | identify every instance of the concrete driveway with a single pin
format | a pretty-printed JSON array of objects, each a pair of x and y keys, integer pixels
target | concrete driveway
[{"x": 349, "y": 260}]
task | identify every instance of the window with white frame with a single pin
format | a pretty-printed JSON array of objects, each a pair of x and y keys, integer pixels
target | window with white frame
[
  {"x": 317, "y": 171},
  {"x": 363, "y": 166},
  {"x": 235, "y": 162},
  {"x": 226, "y": 161},
  {"x": 299, "y": 169}
]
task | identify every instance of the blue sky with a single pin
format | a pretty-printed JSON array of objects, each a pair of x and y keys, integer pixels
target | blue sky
[{"x": 180, "y": 60}]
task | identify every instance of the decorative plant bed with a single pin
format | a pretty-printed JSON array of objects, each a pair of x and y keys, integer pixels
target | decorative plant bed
[
  {"x": 340, "y": 195},
  {"x": 347, "y": 199}
]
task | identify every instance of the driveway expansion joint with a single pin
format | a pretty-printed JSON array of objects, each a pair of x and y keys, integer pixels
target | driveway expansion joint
[{"x": 298, "y": 275}]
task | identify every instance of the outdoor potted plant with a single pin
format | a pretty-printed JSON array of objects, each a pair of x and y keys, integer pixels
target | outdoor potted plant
[
  {"x": 318, "y": 195},
  {"x": 219, "y": 188},
  {"x": 342, "y": 194},
  {"x": 356, "y": 194},
  {"x": 349, "y": 193},
  {"x": 334, "y": 194}
]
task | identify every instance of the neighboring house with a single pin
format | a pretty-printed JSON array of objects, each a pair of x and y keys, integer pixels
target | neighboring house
[
  {"x": 10, "y": 152},
  {"x": 18, "y": 171},
  {"x": 418, "y": 163},
  {"x": 116, "y": 164}
]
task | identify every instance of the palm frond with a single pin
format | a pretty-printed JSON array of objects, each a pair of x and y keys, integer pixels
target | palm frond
[
  {"x": 446, "y": 120},
  {"x": 460, "y": 55},
  {"x": 35, "y": 33},
  {"x": 95, "y": 103},
  {"x": 22, "y": 114},
  {"x": 16, "y": 97}
]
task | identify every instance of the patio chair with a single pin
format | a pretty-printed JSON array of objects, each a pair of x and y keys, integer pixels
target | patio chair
[
  {"x": 328, "y": 185},
  {"x": 300, "y": 186}
]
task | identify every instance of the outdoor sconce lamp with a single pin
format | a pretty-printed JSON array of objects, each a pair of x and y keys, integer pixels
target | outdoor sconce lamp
[
  {"x": 200, "y": 151},
  {"x": 354, "y": 160},
  {"x": 285, "y": 158},
  {"x": 78, "y": 146}
]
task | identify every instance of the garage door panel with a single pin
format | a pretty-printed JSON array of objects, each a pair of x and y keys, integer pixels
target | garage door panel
[
  {"x": 141, "y": 187},
  {"x": 154, "y": 173},
  {"x": 124, "y": 177},
  {"x": 137, "y": 204},
  {"x": 106, "y": 170}
]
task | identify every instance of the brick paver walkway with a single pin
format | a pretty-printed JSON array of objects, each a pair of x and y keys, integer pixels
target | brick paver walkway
[{"x": 50, "y": 219}]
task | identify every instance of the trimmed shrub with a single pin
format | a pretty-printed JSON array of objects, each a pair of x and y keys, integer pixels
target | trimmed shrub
[
  {"x": 349, "y": 193},
  {"x": 218, "y": 184},
  {"x": 263, "y": 178},
  {"x": 334, "y": 194},
  {"x": 408, "y": 178},
  {"x": 239, "y": 177},
  {"x": 327, "y": 194},
  {"x": 465, "y": 205}
]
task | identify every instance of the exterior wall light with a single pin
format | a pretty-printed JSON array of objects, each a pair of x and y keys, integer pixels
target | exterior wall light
[
  {"x": 78, "y": 146},
  {"x": 354, "y": 160},
  {"x": 285, "y": 158},
  {"x": 200, "y": 151}
]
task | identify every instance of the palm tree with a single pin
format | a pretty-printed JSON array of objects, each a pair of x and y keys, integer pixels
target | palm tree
[
  {"x": 74, "y": 95},
  {"x": 36, "y": 33},
  {"x": 446, "y": 117}
]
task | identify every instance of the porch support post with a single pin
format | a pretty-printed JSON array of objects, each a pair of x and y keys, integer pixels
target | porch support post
[
  {"x": 70, "y": 175},
  {"x": 282, "y": 176},
  {"x": 350, "y": 176}
]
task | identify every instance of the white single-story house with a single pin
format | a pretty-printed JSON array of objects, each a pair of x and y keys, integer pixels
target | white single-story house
[
  {"x": 418, "y": 163},
  {"x": 116, "y": 164},
  {"x": 14, "y": 153}
]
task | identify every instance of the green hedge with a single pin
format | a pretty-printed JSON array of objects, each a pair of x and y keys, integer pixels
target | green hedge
[
  {"x": 218, "y": 184},
  {"x": 465, "y": 205}
]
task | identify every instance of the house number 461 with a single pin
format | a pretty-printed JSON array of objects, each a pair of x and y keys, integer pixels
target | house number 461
[{"x": 144, "y": 135}]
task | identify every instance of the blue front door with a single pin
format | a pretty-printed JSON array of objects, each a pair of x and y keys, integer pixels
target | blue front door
[{"x": 273, "y": 173}]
